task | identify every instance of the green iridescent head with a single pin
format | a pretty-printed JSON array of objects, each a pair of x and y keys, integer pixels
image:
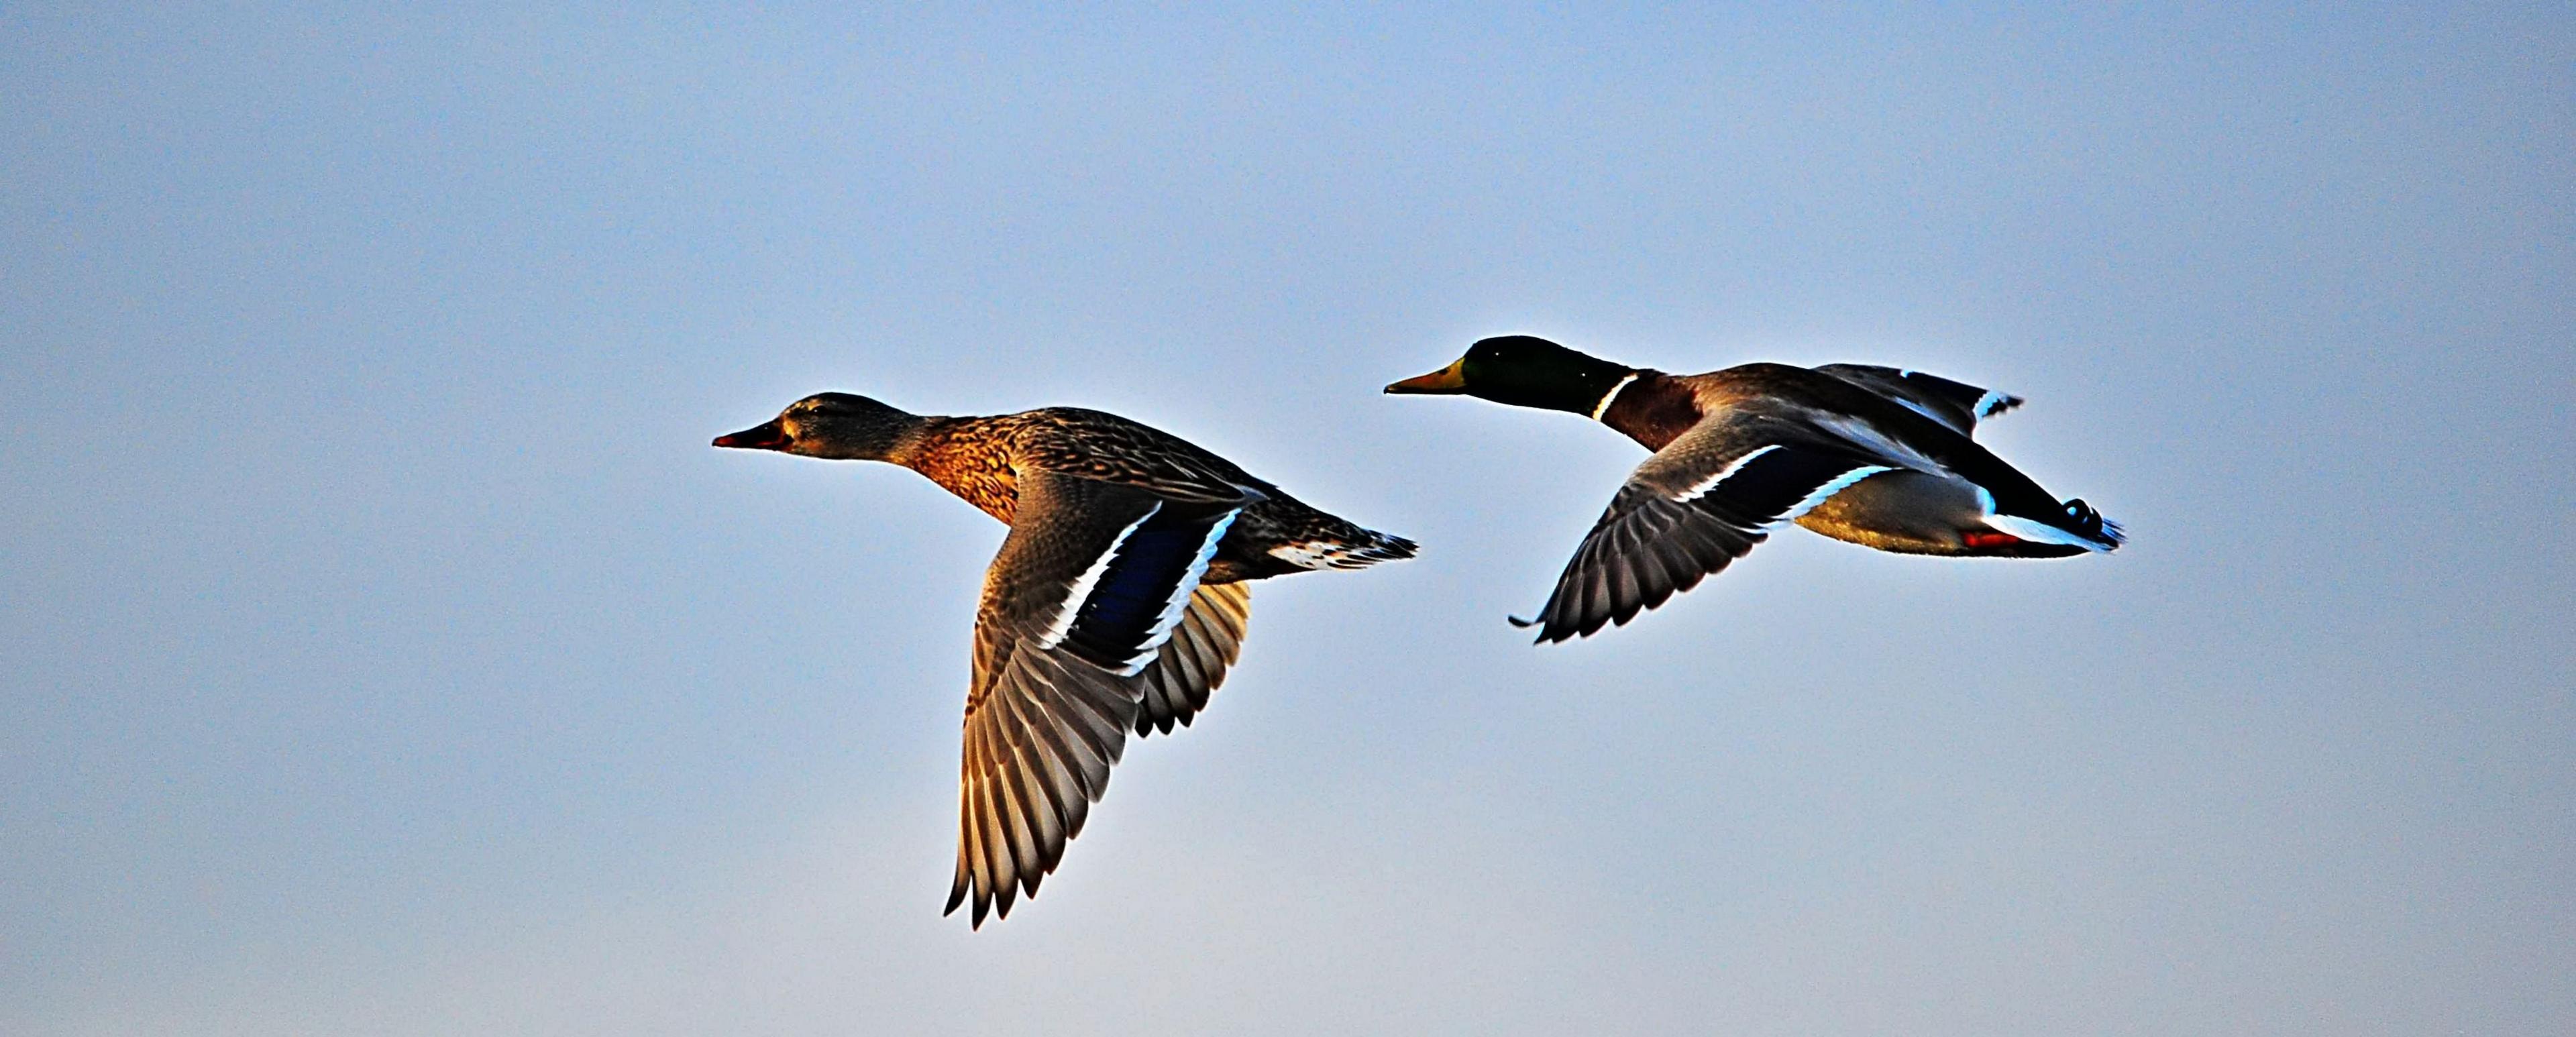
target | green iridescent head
[{"x": 1523, "y": 371}]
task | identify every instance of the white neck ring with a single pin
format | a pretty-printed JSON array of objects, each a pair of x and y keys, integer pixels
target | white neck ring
[{"x": 1604, "y": 406}]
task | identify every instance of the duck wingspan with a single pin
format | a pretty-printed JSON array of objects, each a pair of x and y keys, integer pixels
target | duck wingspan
[
  {"x": 1691, "y": 509},
  {"x": 1955, "y": 404},
  {"x": 1086, "y": 591},
  {"x": 1195, "y": 660}
]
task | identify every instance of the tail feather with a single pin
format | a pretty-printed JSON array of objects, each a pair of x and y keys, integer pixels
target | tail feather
[
  {"x": 2092, "y": 524},
  {"x": 2079, "y": 528},
  {"x": 1365, "y": 549}
]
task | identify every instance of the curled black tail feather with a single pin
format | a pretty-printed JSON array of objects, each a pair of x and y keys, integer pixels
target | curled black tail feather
[{"x": 2091, "y": 523}]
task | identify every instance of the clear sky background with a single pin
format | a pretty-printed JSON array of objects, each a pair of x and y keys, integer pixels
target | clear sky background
[{"x": 384, "y": 650}]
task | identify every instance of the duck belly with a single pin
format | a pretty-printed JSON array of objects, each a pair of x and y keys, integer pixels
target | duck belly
[
  {"x": 1911, "y": 512},
  {"x": 1904, "y": 511}
]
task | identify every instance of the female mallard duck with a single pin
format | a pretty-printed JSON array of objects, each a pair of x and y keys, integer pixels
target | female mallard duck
[
  {"x": 1873, "y": 455},
  {"x": 1117, "y": 601}
]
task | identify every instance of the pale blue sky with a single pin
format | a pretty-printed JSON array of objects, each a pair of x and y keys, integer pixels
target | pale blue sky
[{"x": 383, "y": 650}]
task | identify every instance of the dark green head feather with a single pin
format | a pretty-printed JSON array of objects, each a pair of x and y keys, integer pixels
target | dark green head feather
[{"x": 1524, "y": 371}]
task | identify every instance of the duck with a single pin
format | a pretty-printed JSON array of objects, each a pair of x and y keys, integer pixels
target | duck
[
  {"x": 1118, "y": 601},
  {"x": 1872, "y": 455}
]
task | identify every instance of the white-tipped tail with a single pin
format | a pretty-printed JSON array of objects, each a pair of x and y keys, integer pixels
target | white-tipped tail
[{"x": 1344, "y": 554}]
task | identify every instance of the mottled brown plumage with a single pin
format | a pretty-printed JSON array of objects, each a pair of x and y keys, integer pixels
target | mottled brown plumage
[
  {"x": 975, "y": 458},
  {"x": 1117, "y": 602}
]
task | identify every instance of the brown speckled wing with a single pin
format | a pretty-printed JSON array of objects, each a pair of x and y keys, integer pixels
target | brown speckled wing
[{"x": 1093, "y": 575}]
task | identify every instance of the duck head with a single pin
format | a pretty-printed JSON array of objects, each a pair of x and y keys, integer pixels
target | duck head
[
  {"x": 832, "y": 425},
  {"x": 1523, "y": 371}
]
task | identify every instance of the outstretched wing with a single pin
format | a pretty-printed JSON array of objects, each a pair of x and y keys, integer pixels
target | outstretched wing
[
  {"x": 1955, "y": 404},
  {"x": 1194, "y": 661},
  {"x": 1041, "y": 733},
  {"x": 1698, "y": 504},
  {"x": 1086, "y": 591}
]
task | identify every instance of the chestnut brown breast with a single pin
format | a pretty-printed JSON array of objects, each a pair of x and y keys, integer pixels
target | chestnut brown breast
[
  {"x": 970, "y": 461},
  {"x": 1654, "y": 409}
]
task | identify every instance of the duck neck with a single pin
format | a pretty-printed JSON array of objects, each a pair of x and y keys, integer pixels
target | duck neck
[
  {"x": 924, "y": 434},
  {"x": 969, "y": 457},
  {"x": 1652, "y": 408}
]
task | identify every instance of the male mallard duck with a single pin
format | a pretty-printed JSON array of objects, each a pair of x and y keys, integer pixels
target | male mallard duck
[
  {"x": 1117, "y": 601},
  {"x": 1873, "y": 455}
]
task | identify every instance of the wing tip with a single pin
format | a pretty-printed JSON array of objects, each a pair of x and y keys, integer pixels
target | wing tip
[
  {"x": 1994, "y": 402},
  {"x": 1549, "y": 631}
]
